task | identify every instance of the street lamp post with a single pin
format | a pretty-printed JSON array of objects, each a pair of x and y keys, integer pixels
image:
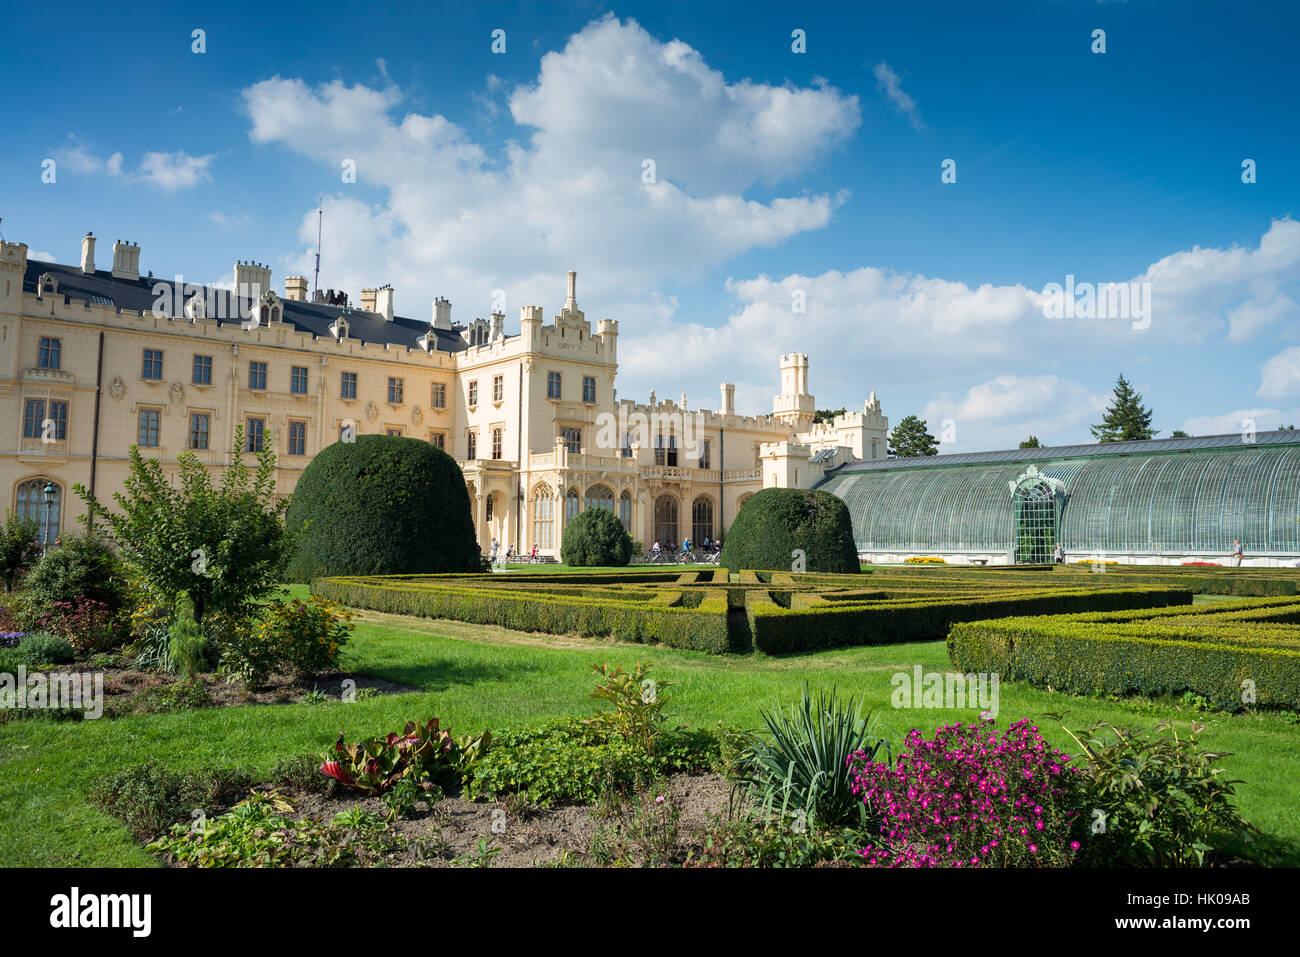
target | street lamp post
[{"x": 49, "y": 492}]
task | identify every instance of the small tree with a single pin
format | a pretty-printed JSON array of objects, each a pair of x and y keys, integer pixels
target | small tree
[
  {"x": 910, "y": 438},
  {"x": 826, "y": 415},
  {"x": 1031, "y": 443},
  {"x": 221, "y": 546},
  {"x": 1179, "y": 434},
  {"x": 19, "y": 547},
  {"x": 596, "y": 537},
  {"x": 1126, "y": 420}
]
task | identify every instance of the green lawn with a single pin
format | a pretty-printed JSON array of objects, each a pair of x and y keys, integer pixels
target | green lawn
[{"x": 480, "y": 676}]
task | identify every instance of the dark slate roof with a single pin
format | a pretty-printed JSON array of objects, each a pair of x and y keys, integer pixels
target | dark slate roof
[
  {"x": 308, "y": 317},
  {"x": 1057, "y": 452}
]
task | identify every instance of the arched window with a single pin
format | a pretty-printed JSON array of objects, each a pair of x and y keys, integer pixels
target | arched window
[
  {"x": 625, "y": 510},
  {"x": 743, "y": 500},
  {"x": 665, "y": 520},
  {"x": 543, "y": 517},
  {"x": 31, "y": 504},
  {"x": 570, "y": 505},
  {"x": 701, "y": 519},
  {"x": 599, "y": 496}
]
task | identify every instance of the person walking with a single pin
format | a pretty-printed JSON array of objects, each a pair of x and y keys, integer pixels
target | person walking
[
  {"x": 1059, "y": 554},
  {"x": 1236, "y": 553},
  {"x": 493, "y": 553}
]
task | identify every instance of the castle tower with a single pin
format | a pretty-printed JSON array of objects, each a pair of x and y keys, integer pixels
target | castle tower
[{"x": 795, "y": 405}]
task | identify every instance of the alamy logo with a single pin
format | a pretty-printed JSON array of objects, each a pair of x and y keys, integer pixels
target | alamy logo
[
  {"x": 935, "y": 689},
  {"x": 72, "y": 910},
  {"x": 53, "y": 691},
  {"x": 677, "y": 430},
  {"x": 1104, "y": 300}
]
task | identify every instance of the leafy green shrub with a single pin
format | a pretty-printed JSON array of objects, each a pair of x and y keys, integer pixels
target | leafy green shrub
[
  {"x": 638, "y": 707},
  {"x": 777, "y": 521},
  {"x": 596, "y": 537},
  {"x": 381, "y": 505},
  {"x": 10, "y": 659},
  {"x": 82, "y": 567},
  {"x": 570, "y": 760},
  {"x": 423, "y": 753},
  {"x": 1153, "y": 799},
  {"x": 150, "y": 798},
  {"x": 164, "y": 699},
  {"x": 19, "y": 548},
  {"x": 256, "y": 833},
  {"x": 42, "y": 649},
  {"x": 803, "y": 765}
]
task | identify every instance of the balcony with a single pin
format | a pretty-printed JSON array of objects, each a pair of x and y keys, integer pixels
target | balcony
[{"x": 58, "y": 376}]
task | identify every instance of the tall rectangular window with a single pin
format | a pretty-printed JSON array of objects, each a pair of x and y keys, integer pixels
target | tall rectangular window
[
  {"x": 49, "y": 353},
  {"x": 33, "y": 418},
  {"x": 473, "y": 393},
  {"x": 297, "y": 438},
  {"x": 498, "y": 388},
  {"x": 496, "y": 442},
  {"x": 471, "y": 444},
  {"x": 348, "y": 386},
  {"x": 394, "y": 391},
  {"x": 151, "y": 365},
  {"x": 150, "y": 420},
  {"x": 59, "y": 420},
  {"x": 439, "y": 439},
  {"x": 202, "y": 370},
  {"x": 439, "y": 398},
  {"x": 552, "y": 385},
  {"x": 704, "y": 454},
  {"x": 199, "y": 428},
  {"x": 257, "y": 375},
  {"x": 254, "y": 435},
  {"x": 298, "y": 380},
  {"x": 572, "y": 438},
  {"x": 589, "y": 388}
]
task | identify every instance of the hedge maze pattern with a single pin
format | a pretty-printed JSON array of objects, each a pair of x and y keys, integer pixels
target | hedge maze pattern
[{"x": 718, "y": 611}]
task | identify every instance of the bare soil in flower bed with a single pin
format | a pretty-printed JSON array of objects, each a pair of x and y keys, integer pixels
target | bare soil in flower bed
[
  {"x": 129, "y": 691},
  {"x": 448, "y": 833}
]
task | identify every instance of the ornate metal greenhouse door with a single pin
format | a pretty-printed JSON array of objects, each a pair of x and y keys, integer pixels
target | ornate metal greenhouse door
[{"x": 1036, "y": 503}]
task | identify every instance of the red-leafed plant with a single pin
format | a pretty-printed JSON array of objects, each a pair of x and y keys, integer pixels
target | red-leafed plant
[{"x": 425, "y": 753}]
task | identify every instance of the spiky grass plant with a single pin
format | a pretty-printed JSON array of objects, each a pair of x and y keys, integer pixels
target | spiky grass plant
[{"x": 799, "y": 770}]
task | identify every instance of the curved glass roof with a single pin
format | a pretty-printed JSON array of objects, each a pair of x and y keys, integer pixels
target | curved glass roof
[{"x": 1132, "y": 501}]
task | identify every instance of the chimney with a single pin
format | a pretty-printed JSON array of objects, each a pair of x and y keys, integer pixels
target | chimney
[
  {"x": 126, "y": 260},
  {"x": 498, "y": 326},
  {"x": 728, "y": 398},
  {"x": 442, "y": 314},
  {"x": 88, "y": 255},
  {"x": 251, "y": 279},
  {"x": 384, "y": 301},
  {"x": 295, "y": 287},
  {"x": 368, "y": 300},
  {"x": 571, "y": 302}
]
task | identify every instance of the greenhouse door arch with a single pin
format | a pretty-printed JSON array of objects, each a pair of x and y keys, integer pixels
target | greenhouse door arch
[{"x": 1035, "y": 510}]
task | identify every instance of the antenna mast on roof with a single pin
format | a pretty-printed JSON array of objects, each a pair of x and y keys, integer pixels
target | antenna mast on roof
[{"x": 320, "y": 217}]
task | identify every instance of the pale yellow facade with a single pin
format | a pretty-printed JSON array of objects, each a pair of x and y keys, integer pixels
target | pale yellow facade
[{"x": 532, "y": 418}]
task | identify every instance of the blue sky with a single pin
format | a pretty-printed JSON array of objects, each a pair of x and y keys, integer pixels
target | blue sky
[{"x": 778, "y": 175}]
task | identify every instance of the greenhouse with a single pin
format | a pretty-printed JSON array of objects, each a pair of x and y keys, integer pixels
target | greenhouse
[{"x": 1161, "y": 500}]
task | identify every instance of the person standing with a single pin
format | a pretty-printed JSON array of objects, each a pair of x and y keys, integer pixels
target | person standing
[
  {"x": 1236, "y": 553},
  {"x": 1059, "y": 554}
]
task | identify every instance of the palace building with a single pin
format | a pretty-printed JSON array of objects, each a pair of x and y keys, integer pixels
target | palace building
[{"x": 93, "y": 361}]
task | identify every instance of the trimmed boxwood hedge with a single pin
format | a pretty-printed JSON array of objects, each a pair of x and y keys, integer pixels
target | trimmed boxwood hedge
[
  {"x": 778, "y": 630},
  {"x": 381, "y": 505},
  {"x": 776, "y": 521},
  {"x": 703, "y": 628},
  {"x": 1148, "y": 656}
]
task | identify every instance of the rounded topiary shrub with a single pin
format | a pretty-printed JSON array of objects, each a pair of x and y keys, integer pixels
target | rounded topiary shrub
[
  {"x": 596, "y": 537},
  {"x": 381, "y": 505},
  {"x": 776, "y": 521}
]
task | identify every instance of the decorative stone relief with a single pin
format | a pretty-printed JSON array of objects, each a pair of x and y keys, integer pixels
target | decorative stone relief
[
  {"x": 372, "y": 411},
  {"x": 117, "y": 389},
  {"x": 177, "y": 393}
]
